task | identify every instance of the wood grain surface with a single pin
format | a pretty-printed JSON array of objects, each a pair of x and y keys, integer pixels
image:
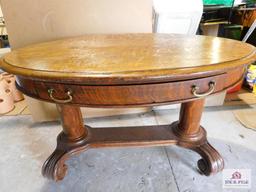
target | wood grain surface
[
  {"x": 124, "y": 95},
  {"x": 128, "y": 58}
]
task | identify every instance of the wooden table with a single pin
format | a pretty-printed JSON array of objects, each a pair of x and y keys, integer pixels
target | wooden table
[{"x": 129, "y": 70}]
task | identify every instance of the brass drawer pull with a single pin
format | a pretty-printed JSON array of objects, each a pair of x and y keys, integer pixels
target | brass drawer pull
[
  {"x": 196, "y": 88},
  {"x": 69, "y": 99}
]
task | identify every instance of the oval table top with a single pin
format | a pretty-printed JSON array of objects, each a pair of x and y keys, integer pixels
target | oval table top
[{"x": 127, "y": 58}]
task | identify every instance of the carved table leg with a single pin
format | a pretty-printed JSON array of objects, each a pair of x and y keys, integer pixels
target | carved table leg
[
  {"x": 71, "y": 141},
  {"x": 193, "y": 136},
  {"x": 186, "y": 132}
]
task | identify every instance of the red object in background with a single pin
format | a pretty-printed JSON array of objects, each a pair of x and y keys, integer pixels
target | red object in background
[{"x": 235, "y": 88}]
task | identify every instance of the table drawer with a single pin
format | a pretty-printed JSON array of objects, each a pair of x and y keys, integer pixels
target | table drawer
[{"x": 126, "y": 95}]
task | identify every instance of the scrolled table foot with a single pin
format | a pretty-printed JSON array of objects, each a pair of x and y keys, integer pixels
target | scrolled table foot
[
  {"x": 54, "y": 167},
  {"x": 211, "y": 162}
]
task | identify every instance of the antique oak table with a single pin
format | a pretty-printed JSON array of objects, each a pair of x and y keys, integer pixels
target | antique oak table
[{"x": 129, "y": 70}]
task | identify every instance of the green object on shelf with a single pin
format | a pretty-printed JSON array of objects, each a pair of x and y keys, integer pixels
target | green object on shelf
[
  {"x": 230, "y": 31},
  {"x": 218, "y": 2},
  {"x": 251, "y": 3}
]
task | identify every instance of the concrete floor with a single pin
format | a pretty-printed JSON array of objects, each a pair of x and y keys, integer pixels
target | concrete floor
[{"x": 25, "y": 145}]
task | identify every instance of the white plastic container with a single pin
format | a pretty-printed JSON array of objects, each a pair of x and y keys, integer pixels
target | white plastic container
[{"x": 181, "y": 17}]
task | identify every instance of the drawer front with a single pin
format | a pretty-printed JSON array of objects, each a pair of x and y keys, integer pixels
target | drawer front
[{"x": 124, "y": 95}]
